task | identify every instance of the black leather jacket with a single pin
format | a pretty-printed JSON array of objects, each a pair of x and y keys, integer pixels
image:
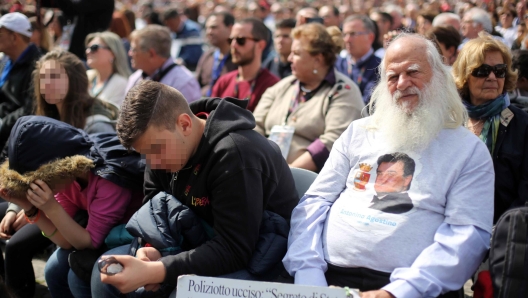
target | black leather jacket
[{"x": 16, "y": 95}]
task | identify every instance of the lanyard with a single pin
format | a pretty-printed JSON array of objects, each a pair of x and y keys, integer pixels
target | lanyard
[
  {"x": 218, "y": 65},
  {"x": 251, "y": 89},
  {"x": 95, "y": 94},
  {"x": 297, "y": 99}
]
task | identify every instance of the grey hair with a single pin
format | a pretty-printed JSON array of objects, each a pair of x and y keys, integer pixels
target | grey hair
[
  {"x": 154, "y": 37},
  {"x": 115, "y": 44},
  {"x": 480, "y": 16},
  {"x": 441, "y": 19},
  {"x": 367, "y": 22},
  {"x": 458, "y": 114}
]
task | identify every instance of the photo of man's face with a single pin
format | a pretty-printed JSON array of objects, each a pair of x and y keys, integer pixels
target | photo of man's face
[{"x": 391, "y": 178}]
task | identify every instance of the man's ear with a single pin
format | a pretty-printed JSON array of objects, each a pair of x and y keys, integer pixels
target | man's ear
[
  {"x": 184, "y": 123},
  {"x": 408, "y": 180},
  {"x": 262, "y": 44},
  {"x": 152, "y": 53}
]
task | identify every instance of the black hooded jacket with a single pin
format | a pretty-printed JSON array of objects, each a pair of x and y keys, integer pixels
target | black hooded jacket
[
  {"x": 234, "y": 176},
  {"x": 17, "y": 94}
]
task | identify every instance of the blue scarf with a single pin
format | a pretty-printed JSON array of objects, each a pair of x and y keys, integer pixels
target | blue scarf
[{"x": 490, "y": 112}]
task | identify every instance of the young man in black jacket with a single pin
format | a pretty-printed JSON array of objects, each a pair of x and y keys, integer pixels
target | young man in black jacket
[
  {"x": 209, "y": 157},
  {"x": 16, "y": 94}
]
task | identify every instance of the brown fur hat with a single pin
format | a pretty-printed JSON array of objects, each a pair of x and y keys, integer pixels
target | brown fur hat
[{"x": 53, "y": 173}]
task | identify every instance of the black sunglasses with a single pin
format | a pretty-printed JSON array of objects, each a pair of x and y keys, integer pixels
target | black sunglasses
[
  {"x": 95, "y": 47},
  {"x": 241, "y": 41},
  {"x": 484, "y": 71}
]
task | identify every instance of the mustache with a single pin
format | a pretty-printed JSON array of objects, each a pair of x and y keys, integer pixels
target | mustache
[{"x": 409, "y": 91}]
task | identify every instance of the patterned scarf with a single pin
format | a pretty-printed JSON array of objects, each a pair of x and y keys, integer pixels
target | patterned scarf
[{"x": 490, "y": 112}]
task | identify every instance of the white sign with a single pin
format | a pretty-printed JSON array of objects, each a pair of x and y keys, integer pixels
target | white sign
[{"x": 192, "y": 286}]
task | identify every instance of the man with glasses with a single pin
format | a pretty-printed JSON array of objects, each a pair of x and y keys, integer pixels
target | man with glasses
[
  {"x": 250, "y": 80},
  {"x": 361, "y": 65},
  {"x": 16, "y": 96},
  {"x": 150, "y": 52}
]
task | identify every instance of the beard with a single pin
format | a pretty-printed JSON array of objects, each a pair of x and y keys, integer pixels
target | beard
[
  {"x": 406, "y": 129},
  {"x": 243, "y": 59}
]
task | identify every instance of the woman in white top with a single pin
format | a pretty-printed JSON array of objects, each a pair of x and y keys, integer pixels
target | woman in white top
[
  {"x": 508, "y": 31},
  {"x": 108, "y": 77}
]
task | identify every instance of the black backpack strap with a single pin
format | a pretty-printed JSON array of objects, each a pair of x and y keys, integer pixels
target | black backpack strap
[{"x": 159, "y": 76}]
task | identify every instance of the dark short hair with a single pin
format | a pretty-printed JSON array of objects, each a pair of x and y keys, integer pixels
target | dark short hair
[
  {"x": 259, "y": 30},
  {"x": 408, "y": 163},
  {"x": 368, "y": 24},
  {"x": 520, "y": 62},
  {"x": 228, "y": 19},
  {"x": 149, "y": 103},
  {"x": 170, "y": 14},
  {"x": 285, "y": 24},
  {"x": 448, "y": 35}
]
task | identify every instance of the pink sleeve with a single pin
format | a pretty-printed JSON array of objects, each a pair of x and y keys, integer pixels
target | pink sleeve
[
  {"x": 68, "y": 205},
  {"x": 107, "y": 204}
]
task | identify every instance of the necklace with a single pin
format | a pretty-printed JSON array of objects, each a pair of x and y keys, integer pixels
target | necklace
[
  {"x": 475, "y": 125},
  {"x": 305, "y": 90}
]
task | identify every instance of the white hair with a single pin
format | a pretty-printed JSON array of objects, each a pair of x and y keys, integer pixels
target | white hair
[
  {"x": 443, "y": 19},
  {"x": 390, "y": 8},
  {"x": 439, "y": 105},
  {"x": 480, "y": 16}
]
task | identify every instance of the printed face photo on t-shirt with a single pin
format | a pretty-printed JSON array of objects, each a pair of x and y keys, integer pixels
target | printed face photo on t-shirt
[{"x": 393, "y": 179}]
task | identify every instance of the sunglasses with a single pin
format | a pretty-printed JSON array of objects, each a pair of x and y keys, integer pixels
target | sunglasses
[
  {"x": 484, "y": 71},
  {"x": 95, "y": 47},
  {"x": 241, "y": 41}
]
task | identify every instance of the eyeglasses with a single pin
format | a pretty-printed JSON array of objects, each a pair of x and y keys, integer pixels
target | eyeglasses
[
  {"x": 507, "y": 15},
  {"x": 95, "y": 47},
  {"x": 241, "y": 41},
  {"x": 352, "y": 34},
  {"x": 484, "y": 71}
]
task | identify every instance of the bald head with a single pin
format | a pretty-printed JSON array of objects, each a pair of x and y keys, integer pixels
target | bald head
[{"x": 304, "y": 14}]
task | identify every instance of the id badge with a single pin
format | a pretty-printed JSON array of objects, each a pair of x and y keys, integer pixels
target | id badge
[{"x": 282, "y": 135}]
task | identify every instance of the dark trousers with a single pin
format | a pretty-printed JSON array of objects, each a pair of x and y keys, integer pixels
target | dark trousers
[
  {"x": 19, "y": 250},
  {"x": 366, "y": 280}
]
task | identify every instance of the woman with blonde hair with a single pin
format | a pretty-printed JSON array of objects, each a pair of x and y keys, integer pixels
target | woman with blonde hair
[
  {"x": 307, "y": 111},
  {"x": 108, "y": 78},
  {"x": 483, "y": 74}
]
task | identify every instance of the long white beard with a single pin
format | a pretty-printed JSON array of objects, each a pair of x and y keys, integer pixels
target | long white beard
[{"x": 406, "y": 130}]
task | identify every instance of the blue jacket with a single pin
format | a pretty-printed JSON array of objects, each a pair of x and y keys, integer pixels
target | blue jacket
[
  {"x": 364, "y": 74},
  {"x": 191, "y": 39},
  {"x": 37, "y": 140}
]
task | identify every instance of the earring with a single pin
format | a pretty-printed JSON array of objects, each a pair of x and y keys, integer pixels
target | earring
[{"x": 315, "y": 71}]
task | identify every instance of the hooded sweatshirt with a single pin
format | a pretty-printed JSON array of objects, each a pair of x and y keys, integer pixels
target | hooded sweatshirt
[
  {"x": 234, "y": 175},
  {"x": 51, "y": 150}
]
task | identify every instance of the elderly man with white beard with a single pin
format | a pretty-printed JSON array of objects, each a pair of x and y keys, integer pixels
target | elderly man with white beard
[{"x": 412, "y": 146}]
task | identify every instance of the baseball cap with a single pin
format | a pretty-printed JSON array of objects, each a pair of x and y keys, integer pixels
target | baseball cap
[{"x": 16, "y": 22}]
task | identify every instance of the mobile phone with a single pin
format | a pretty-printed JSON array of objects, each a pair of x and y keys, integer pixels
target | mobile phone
[{"x": 109, "y": 266}]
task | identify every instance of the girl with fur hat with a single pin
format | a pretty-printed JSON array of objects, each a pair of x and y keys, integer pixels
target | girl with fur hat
[{"x": 54, "y": 171}]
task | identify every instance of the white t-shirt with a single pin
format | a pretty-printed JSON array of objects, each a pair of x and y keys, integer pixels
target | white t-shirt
[{"x": 448, "y": 180}]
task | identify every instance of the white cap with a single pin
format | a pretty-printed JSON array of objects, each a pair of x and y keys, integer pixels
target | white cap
[{"x": 16, "y": 22}]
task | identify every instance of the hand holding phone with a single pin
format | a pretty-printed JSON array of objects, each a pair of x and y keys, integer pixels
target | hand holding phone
[{"x": 109, "y": 266}]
